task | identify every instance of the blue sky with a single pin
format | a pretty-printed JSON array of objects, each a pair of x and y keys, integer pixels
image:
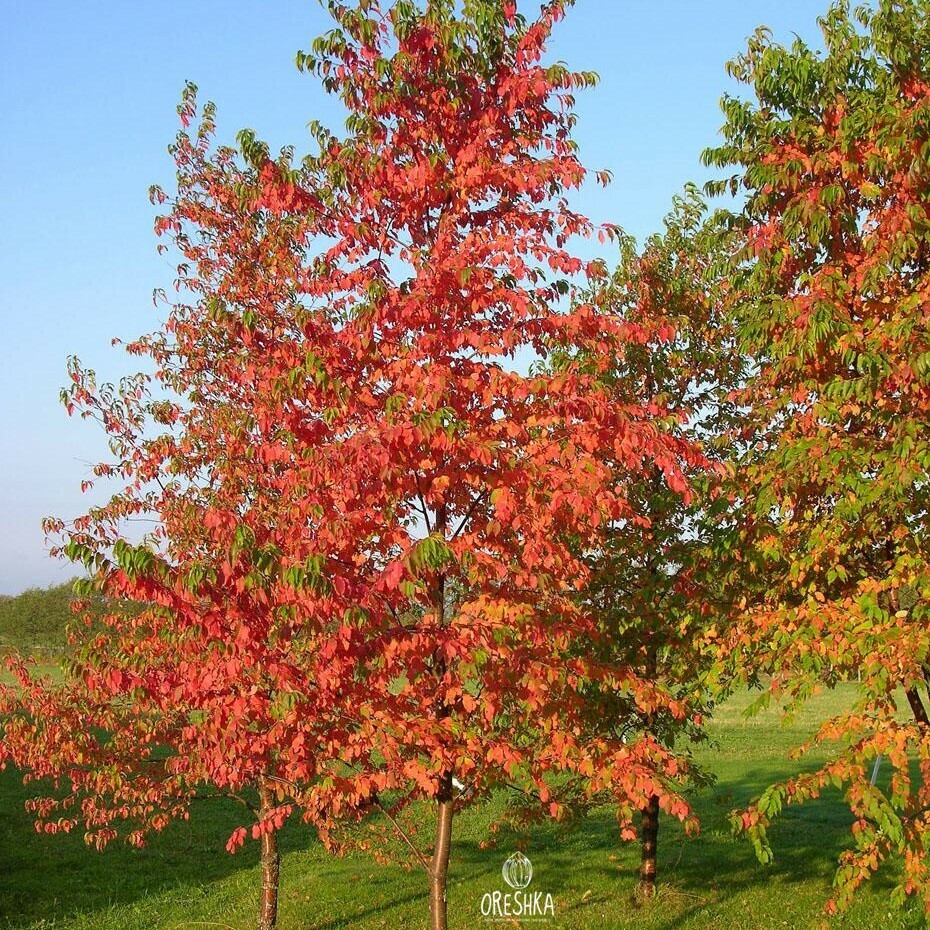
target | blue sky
[{"x": 87, "y": 98}]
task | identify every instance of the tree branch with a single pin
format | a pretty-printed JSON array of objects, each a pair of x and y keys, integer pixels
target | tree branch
[{"x": 402, "y": 833}]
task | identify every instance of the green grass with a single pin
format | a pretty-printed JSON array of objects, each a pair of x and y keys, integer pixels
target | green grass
[{"x": 185, "y": 879}]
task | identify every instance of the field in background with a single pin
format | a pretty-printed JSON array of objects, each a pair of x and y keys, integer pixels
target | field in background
[
  {"x": 34, "y": 622},
  {"x": 185, "y": 879}
]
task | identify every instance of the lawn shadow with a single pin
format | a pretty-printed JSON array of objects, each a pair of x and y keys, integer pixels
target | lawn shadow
[
  {"x": 715, "y": 866},
  {"x": 52, "y": 877},
  {"x": 585, "y": 865}
]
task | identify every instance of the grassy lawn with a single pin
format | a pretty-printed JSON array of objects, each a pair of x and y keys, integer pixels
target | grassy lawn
[{"x": 185, "y": 879}]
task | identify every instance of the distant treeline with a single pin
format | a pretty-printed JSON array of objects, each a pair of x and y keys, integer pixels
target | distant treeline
[{"x": 35, "y": 621}]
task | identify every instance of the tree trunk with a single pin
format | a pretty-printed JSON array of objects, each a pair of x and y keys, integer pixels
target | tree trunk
[
  {"x": 442, "y": 844},
  {"x": 441, "y": 847},
  {"x": 650, "y": 841},
  {"x": 917, "y": 706},
  {"x": 650, "y": 817},
  {"x": 271, "y": 869}
]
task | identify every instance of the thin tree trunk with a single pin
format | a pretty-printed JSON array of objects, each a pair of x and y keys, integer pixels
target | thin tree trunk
[
  {"x": 271, "y": 868},
  {"x": 917, "y": 706},
  {"x": 650, "y": 817},
  {"x": 439, "y": 868},
  {"x": 650, "y": 843},
  {"x": 442, "y": 844}
]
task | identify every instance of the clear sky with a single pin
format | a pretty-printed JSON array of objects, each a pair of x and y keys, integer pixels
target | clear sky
[{"x": 87, "y": 98}]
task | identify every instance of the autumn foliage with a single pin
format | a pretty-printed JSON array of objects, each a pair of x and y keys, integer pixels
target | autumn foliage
[
  {"x": 412, "y": 502},
  {"x": 831, "y": 303},
  {"x": 659, "y": 594},
  {"x": 370, "y": 494}
]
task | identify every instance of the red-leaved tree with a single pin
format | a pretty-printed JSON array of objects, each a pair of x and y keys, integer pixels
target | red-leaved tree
[
  {"x": 199, "y": 667},
  {"x": 372, "y": 497},
  {"x": 454, "y": 481}
]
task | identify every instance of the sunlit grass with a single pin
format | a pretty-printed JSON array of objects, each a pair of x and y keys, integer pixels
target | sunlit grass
[{"x": 185, "y": 879}]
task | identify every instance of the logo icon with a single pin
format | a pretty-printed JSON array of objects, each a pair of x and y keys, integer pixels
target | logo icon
[
  {"x": 517, "y": 871},
  {"x": 530, "y": 905}
]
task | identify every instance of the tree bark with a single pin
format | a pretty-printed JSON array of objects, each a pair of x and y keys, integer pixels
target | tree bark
[
  {"x": 917, "y": 706},
  {"x": 270, "y": 867},
  {"x": 650, "y": 817},
  {"x": 650, "y": 844},
  {"x": 442, "y": 844},
  {"x": 439, "y": 868}
]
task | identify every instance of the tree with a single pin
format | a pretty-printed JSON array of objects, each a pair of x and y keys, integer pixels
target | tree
[
  {"x": 658, "y": 595},
  {"x": 830, "y": 301},
  {"x": 452, "y": 482},
  {"x": 370, "y": 517},
  {"x": 199, "y": 663},
  {"x": 34, "y": 621}
]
